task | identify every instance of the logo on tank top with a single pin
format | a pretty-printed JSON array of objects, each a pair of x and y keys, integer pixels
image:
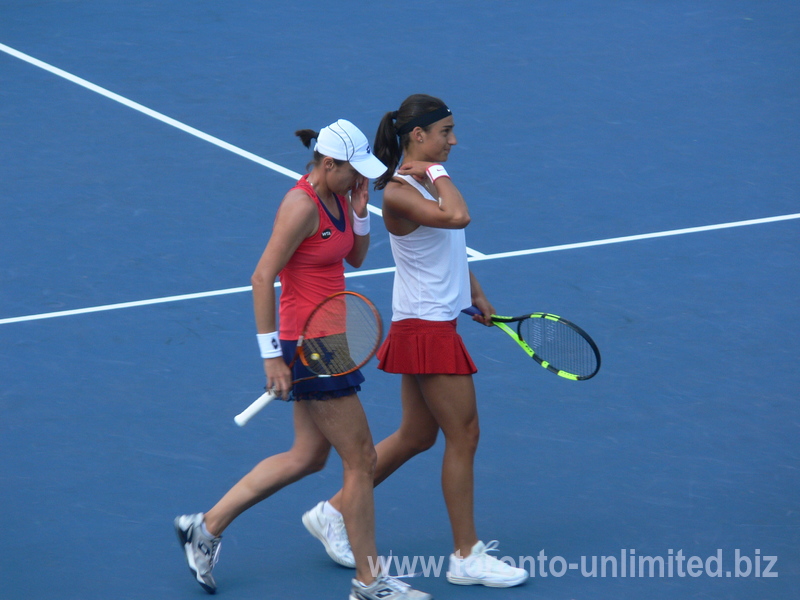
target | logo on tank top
[{"x": 326, "y": 234}]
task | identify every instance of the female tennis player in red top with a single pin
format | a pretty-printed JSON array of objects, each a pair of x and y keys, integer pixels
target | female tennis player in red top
[
  {"x": 317, "y": 227},
  {"x": 426, "y": 214}
]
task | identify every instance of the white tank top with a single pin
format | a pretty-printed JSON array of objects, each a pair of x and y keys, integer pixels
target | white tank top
[{"x": 432, "y": 277}]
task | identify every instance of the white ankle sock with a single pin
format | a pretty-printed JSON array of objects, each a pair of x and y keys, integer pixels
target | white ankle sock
[
  {"x": 206, "y": 531},
  {"x": 328, "y": 509}
]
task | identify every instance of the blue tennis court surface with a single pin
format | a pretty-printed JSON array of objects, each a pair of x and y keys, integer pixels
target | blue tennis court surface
[{"x": 631, "y": 166}]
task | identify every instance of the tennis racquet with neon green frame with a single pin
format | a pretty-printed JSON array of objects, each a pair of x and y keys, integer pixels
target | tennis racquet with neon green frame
[{"x": 556, "y": 344}]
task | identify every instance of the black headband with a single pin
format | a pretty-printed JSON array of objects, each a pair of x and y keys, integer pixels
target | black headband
[{"x": 424, "y": 120}]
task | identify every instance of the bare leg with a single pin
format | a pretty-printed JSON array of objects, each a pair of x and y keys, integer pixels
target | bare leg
[
  {"x": 307, "y": 455},
  {"x": 431, "y": 402},
  {"x": 344, "y": 423},
  {"x": 451, "y": 399},
  {"x": 417, "y": 433}
]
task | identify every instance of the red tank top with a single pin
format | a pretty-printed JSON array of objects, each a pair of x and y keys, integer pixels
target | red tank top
[{"x": 316, "y": 269}]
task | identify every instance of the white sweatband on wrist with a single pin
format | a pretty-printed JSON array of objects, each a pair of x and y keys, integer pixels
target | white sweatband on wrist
[
  {"x": 436, "y": 171},
  {"x": 269, "y": 345},
  {"x": 361, "y": 224}
]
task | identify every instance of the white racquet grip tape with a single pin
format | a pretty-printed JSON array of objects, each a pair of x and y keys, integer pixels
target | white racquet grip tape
[
  {"x": 436, "y": 171},
  {"x": 248, "y": 413}
]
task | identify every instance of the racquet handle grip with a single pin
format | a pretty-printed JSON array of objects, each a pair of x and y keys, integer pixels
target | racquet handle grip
[
  {"x": 472, "y": 310},
  {"x": 248, "y": 413}
]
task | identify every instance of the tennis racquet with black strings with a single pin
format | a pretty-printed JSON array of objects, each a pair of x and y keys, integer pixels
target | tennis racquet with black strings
[
  {"x": 342, "y": 333},
  {"x": 556, "y": 344}
]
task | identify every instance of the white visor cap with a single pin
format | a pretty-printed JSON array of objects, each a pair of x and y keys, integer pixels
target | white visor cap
[{"x": 344, "y": 141}]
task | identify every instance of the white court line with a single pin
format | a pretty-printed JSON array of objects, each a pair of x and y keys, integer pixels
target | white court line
[
  {"x": 499, "y": 255},
  {"x": 633, "y": 238},
  {"x": 170, "y": 121},
  {"x": 473, "y": 254},
  {"x": 157, "y": 115},
  {"x": 149, "y": 112},
  {"x": 136, "y": 303}
]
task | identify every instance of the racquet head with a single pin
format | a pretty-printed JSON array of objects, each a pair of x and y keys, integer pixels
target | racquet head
[
  {"x": 559, "y": 345},
  {"x": 341, "y": 335}
]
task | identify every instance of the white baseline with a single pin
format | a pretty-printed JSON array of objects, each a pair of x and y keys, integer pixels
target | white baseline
[
  {"x": 473, "y": 254},
  {"x": 499, "y": 255}
]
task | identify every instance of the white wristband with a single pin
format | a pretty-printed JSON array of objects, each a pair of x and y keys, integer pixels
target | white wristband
[
  {"x": 269, "y": 345},
  {"x": 361, "y": 224},
  {"x": 436, "y": 171}
]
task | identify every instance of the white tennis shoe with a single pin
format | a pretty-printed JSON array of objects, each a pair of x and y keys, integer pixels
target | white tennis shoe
[
  {"x": 481, "y": 569},
  {"x": 331, "y": 532}
]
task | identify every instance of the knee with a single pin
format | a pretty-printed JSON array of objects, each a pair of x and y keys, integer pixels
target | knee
[
  {"x": 364, "y": 462},
  {"x": 425, "y": 442},
  {"x": 473, "y": 434},
  {"x": 309, "y": 461},
  {"x": 369, "y": 459},
  {"x": 418, "y": 441},
  {"x": 466, "y": 437}
]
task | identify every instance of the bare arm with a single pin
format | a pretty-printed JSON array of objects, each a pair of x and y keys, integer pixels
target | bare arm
[
  {"x": 359, "y": 198},
  {"x": 296, "y": 220},
  {"x": 405, "y": 208},
  {"x": 479, "y": 300}
]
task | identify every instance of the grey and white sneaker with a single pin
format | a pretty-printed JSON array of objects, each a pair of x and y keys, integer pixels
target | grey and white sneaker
[
  {"x": 202, "y": 551},
  {"x": 330, "y": 530},
  {"x": 479, "y": 568},
  {"x": 386, "y": 588}
]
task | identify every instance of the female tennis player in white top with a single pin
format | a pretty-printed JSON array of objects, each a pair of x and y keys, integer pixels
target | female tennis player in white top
[{"x": 425, "y": 215}]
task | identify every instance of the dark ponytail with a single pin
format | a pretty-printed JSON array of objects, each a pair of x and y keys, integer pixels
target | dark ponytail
[
  {"x": 306, "y": 135},
  {"x": 387, "y": 149},
  {"x": 388, "y": 146}
]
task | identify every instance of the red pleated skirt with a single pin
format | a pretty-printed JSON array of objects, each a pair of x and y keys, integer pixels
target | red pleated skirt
[{"x": 419, "y": 347}]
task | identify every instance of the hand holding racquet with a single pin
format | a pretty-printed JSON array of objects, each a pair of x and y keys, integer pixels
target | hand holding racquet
[
  {"x": 556, "y": 344},
  {"x": 342, "y": 333}
]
